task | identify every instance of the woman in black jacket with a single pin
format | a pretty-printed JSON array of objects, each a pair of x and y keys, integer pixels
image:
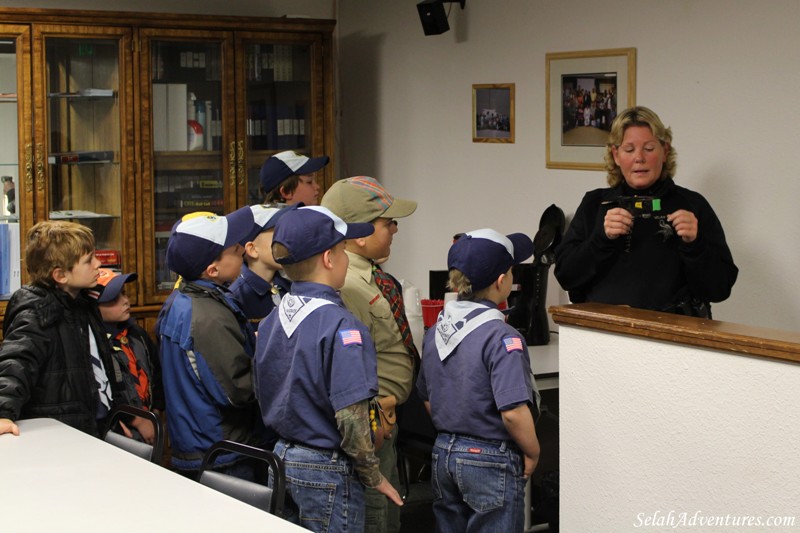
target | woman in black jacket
[{"x": 645, "y": 241}]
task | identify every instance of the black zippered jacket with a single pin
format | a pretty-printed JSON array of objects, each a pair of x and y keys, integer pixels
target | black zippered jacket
[
  {"x": 653, "y": 268},
  {"x": 45, "y": 365}
]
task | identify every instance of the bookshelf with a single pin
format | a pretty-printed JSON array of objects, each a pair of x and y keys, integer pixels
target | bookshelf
[{"x": 127, "y": 121}]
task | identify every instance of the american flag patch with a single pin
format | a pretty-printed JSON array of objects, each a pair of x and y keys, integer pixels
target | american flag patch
[
  {"x": 350, "y": 336},
  {"x": 513, "y": 343}
]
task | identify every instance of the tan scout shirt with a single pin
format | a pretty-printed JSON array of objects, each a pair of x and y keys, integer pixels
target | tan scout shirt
[{"x": 364, "y": 299}]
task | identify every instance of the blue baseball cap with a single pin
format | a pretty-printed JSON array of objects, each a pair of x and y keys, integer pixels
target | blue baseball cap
[
  {"x": 308, "y": 231},
  {"x": 197, "y": 241},
  {"x": 286, "y": 164},
  {"x": 482, "y": 255},
  {"x": 266, "y": 216}
]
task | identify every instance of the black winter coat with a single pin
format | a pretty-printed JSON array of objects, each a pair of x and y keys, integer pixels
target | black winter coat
[
  {"x": 654, "y": 268},
  {"x": 45, "y": 365}
]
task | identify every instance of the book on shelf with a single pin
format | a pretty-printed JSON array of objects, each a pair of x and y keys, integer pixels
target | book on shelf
[
  {"x": 88, "y": 156},
  {"x": 108, "y": 257}
]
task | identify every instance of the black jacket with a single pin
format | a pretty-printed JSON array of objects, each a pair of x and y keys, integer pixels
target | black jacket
[
  {"x": 653, "y": 269},
  {"x": 45, "y": 365}
]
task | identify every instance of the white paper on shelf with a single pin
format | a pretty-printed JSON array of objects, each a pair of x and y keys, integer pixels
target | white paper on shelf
[{"x": 77, "y": 213}]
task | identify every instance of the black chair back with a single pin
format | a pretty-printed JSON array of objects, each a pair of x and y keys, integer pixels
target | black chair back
[
  {"x": 269, "y": 499},
  {"x": 153, "y": 453}
]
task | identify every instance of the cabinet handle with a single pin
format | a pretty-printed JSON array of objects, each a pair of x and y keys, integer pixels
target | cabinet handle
[
  {"x": 40, "y": 167},
  {"x": 28, "y": 167},
  {"x": 232, "y": 165},
  {"x": 241, "y": 163}
]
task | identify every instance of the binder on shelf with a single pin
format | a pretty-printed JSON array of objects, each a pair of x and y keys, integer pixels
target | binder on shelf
[
  {"x": 5, "y": 262},
  {"x": 207, "y": 127},
  {"x": 159, "y": 117},
  {"x": 177, "y": 125},
  {"x": 88, "y": 156},
  {"x": 15, "y": 265}
]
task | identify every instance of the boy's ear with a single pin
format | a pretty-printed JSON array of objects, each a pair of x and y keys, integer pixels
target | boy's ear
[
  {"x": 251, "y": 250},
  {"x": 355, "y": 244},
  {"x": 326, "y": 260},
  {"x": 498, "y": 283},
  {"x": 59, "y": 275},
  {"x": 285, "y": 195},
  {"x": 212, "y": 271}
]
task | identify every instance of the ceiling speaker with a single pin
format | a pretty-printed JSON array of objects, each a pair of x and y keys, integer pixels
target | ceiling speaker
[{"x": 433, "y": 17}]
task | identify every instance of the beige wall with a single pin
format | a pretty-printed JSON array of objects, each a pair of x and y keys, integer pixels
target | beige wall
[{"x": 722, "y": 73}]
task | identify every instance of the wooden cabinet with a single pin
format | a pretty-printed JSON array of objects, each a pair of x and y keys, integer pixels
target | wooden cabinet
[{"x": 127, "y": 121}]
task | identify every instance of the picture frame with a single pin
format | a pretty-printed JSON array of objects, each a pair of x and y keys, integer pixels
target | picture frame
[
  {"x": 577, "y": 130},
  {"x": 493, "y": 113}
]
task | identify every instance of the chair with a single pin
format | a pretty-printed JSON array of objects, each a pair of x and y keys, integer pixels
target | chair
[
  {"x": 153, "y": 453},
  {"x": 269, "y": 499}
]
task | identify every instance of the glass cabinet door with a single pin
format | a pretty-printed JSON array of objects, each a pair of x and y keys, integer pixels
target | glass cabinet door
[
  {"x": 279, "y": 80},
  {"x": 16, "y": 153},
  {"x": 84, "y": 132},
  {"x": 191, "y": 159}
]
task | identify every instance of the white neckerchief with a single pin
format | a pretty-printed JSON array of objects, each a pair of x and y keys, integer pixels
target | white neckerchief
[
  {"x": 453, "y": 324},
  {"x": 294, "y": 309}
]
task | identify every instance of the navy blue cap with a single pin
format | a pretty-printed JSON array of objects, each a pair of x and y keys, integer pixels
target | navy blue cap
[
  {"x": 266, "y": 216},
  {"x": 109, "y": 285},
  {"x": 482, "y": 255},
  {"x": 308, "y": 231},
  {"x": 197, "y": 241},
  {"x": 286, "y": 164}
]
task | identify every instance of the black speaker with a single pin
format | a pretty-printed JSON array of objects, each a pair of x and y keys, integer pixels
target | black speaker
[{"x": 433, "y": 17}]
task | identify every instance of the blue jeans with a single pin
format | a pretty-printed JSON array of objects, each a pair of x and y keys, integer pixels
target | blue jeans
[
  {"x": 477, "y": 485},
  {"x": 323, "y": 493}
]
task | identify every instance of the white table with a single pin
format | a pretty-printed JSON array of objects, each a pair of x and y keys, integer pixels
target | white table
[{"x": 56, "y": 478}]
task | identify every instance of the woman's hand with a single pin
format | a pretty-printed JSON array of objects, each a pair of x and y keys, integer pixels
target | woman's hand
[
  {"x": 618, "y": 221},
  {"x": 685, "y": 224}
]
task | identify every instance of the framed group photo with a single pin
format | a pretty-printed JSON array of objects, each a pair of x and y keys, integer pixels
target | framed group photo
[
  {"x": 493, "y": 113},
  {"x": 585, "y": 92}
]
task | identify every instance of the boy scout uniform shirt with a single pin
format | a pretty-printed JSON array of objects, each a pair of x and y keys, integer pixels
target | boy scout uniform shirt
[
  {"x": 313, "y": 358},
  {"x": 474, "y": 365},
  {"x": 255, "y": 295},
  {"x": 364, "y": 299}
]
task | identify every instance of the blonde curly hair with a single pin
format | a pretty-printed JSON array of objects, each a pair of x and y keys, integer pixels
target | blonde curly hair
[{"x": 638, "y": 116}]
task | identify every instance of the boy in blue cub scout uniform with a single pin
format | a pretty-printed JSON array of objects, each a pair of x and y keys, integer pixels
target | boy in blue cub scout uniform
[
  {"x": 476, "y": 381},
  {"x": 260, "y": 285},
  {"x": 207, "y": 345},
  {"x": 315, "y": 374}
]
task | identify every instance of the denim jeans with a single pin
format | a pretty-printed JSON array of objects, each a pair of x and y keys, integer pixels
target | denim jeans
[
  {"x": 323, "y": 493},
  {"x": 477, "y": 485}
]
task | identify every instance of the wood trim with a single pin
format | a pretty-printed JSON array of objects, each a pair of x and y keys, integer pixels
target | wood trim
[
  {"x": 691, "y": 331},
  {"x": 165, "y": 20}
]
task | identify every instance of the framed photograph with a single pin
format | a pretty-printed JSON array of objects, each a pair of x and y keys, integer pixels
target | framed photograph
[
  {"x": 493, "y": 113},
  {"x": 585, "y": 91}
]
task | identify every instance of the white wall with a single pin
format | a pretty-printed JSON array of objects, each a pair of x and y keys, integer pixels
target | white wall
[
  {"x": 722, "y": 73},
  {"x": 650, "y": 427}
]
